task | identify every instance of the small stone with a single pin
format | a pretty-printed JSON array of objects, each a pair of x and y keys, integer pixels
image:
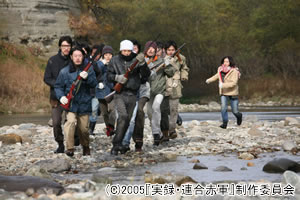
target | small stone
[
  {"x": 29, "y": 192},
  {"x": 244, "y": 168},
  {"x": 10, "y": 138},
  {"x": 222, "y": 169},
  {"x": 194, "y": 161},
  {"x": 170, "y": 156},
  {"x": 246, "y": 156},
  {"x": 250, "y": 164},
  {"x": 199, "y": 166}
]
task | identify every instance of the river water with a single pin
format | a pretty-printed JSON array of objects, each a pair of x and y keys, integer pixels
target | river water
[
  {"x": 182, "y": 166},
  {"x": 261, "y": 113}
]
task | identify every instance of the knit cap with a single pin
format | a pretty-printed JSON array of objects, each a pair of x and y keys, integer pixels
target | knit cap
[
  {"x": 126, "y": 45},
  {"x": 148, "y": 45},
  {"x": 107, "y": 49}
]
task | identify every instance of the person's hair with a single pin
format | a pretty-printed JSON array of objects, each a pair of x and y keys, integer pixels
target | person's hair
[
  {"x": 231, "y": 61},
  {"x": 86, "y": 47},
  {"x": 66, "y": 38},
  {"x": 77, "y": 48},
  {"x": 98, "y": 46},
  {"x": 135, "y": 42},
  {"x": 160, "y": 44},
  {"x": 171, "y": 43}
]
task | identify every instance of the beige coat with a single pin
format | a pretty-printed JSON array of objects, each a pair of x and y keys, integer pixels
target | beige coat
[
  {"x": 173, "y": 85},
  {"x": 230, "y": 86}
]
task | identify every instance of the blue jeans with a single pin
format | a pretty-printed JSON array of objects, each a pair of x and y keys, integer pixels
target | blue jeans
[
  {"x": 234, "y": 102},
  {"x": 95, "y": 105},
  {"x": 128, "y": 134}
]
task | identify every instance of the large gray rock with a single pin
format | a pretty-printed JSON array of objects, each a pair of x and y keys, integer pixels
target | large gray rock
[
  {"x": 22, "y": 183},
  {"x": 37, "y": 171},
  {"x": 255, "y": 132},
  {"x": 293, "y": 179},
  {"x": 281, "y": 165},
  {"x": 167, "y": 178},
  {"x": 54, "y": 165},
  {"x": 289, "y": 145},
  {"x": 36, "y": 22},
  {"x": 290, "y": 121},
  {"x": 26, "y": 126}
]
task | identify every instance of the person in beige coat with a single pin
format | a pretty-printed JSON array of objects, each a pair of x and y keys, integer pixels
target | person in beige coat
[
  {"x": 173, "y": 84},
  {"x": 228, "y": 76}
]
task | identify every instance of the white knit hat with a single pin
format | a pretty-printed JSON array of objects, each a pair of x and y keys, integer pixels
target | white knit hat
[{"x": 126, "y": 45}]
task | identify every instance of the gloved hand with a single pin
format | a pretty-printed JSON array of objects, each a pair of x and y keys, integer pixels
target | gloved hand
[
  {"x": 172, "y": 61},
  {"x": 167, "y": 60},
  {"x": 103, "y": 61},
  {"x": 83, "y": 74},
  {"x": 121, "y": 79},
  {"x": 101, "y": 85},
  {"x": 206, "y": 81},
  {"x": 174, "y": 84},
  {"x": 220, "y": 84},
  {"x": 63, "y": 100},
  {"x": 140, "y": 57}
]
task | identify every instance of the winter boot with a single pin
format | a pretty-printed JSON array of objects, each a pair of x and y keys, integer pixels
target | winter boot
[
  {"x": 86, "y": 151},
  {"x": 165, "y": 137},
  {"x": 173, "y": 135},
  {"x": 92, "y": 128},
  {"x": 156, "y": 138},
  {"x": 224, "y": 125},
  {"x": 115, "y": 150},
  {"x": 239, "y": 118},
  {"x": 70, "y": 152},
  {"x": 179, "y": 120},
  {"x": 60, "y": 148},
  {"x": 138, "y": 146},
  {"x": 124, "y": 149}
]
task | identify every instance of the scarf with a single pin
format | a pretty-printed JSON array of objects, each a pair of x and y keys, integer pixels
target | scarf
[{"x": 225, "y": 69}]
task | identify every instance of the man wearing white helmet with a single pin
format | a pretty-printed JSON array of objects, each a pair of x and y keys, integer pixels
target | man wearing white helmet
[{"x": 126, "y": 99}]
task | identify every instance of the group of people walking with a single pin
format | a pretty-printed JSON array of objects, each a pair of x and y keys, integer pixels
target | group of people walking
[{"x": 153, "y": 76}]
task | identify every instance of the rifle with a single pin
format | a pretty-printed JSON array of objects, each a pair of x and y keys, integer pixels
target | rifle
[
  {"x": 176, "y": 53},
  {"x": 73, "y": 88},
  {"x": 119, "y": 86}
]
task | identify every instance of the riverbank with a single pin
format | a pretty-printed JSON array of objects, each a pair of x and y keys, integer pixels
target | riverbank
[{"x": 195, "y": 138}]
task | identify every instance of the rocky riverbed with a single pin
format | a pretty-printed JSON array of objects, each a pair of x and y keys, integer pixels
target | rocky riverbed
[{"x": 27, "y": 150}]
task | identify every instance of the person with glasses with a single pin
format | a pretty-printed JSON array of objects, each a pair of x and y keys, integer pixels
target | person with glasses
[{"x": 54, "y": 65}]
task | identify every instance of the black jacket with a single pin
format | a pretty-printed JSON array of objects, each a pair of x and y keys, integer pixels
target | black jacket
[
  {"x": 54, "y": 65},
  {"x": 118, "y": 66}
]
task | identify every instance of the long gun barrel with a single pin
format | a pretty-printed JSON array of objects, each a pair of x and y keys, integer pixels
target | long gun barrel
[
  {"x": 119, "y": 86},
  {"x": 70, "y": 94},
  {"x": 176, "y": 53}
]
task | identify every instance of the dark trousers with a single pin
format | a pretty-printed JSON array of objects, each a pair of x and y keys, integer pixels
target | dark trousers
[
  {"x": 138, "y": 132},
  {"x": 165, "y": 111},
  {"x": 108, "y": 112},
  {"x": 56, "y": 115},
  {"x": 124, "y": 104}
]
